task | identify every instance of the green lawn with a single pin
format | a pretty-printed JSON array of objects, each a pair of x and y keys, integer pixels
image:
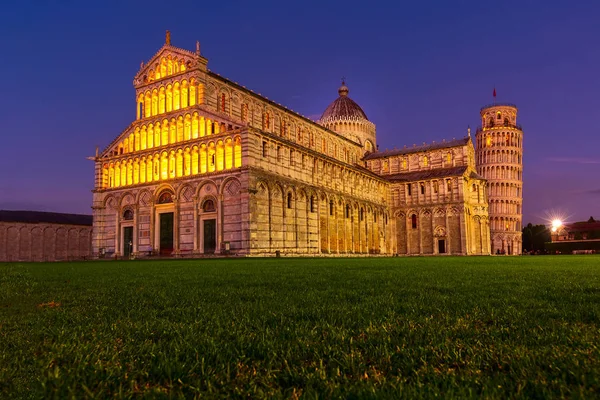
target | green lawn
[{"x": 497, "y": 327}]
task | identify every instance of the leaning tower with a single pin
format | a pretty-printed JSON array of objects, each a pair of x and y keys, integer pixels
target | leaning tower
[{"x": 499, "y": 154}]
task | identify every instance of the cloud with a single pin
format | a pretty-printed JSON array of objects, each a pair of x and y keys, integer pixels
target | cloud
[{"x": 574, "y": 160}]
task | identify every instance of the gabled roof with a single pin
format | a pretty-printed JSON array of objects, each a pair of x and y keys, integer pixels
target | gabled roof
[
  {"x": 37, "y": 217},
  {"x": 167, "y": 50},
  {"x": 417, "y": 149},
  {"x": 428, "y": 174}
]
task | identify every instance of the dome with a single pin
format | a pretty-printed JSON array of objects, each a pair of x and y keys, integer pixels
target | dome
[{"x": 343, "y": 108}]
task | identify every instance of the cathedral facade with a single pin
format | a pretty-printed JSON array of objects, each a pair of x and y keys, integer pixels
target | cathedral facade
[{"x": 210, "y": 167}]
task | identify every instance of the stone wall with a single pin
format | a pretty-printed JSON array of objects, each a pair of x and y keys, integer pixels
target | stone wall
[{"x": 44, "y": 242}]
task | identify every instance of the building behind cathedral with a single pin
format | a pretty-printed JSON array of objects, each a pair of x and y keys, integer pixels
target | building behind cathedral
[{"x": 210, "y": 167}]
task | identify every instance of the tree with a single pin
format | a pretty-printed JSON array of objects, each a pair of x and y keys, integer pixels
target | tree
[{"x": 534, "y": 237}]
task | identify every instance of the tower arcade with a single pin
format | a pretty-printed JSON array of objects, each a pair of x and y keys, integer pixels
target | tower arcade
[{"x": 499, "y": 154}]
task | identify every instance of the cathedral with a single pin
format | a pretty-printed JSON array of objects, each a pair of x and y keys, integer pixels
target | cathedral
[{"x": 210, "y": 167}]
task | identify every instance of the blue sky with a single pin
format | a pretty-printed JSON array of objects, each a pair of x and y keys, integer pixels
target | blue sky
[{"x": 420, "y": 70}]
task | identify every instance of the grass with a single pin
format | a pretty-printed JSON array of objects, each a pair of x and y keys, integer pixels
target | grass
[{"x": 493, "y": 327}]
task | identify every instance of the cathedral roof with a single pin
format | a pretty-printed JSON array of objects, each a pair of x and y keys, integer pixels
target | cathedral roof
[
  {"x": 343, "y": 108},
  {"x": 430, "y": 174},
  {"x": 37, "y": 217},
  {"x": 417, "y": 149}
]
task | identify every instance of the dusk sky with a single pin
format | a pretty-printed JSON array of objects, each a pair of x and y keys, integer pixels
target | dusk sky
[{"x": 420, "y": 70}]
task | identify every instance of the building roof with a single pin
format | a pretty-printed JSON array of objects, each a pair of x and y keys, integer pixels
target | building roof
[
  {"x": 475, "y": 175},
  {"x": 36, "y": 217},
  {"x": 417, "y": 149},
  {"x": 583, "y": 226},
  {"x": 343, "y": 108},
  {"x": 428, "y": 174}
]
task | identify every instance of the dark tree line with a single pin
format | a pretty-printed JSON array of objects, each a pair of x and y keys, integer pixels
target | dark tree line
[{"x": 534, "y": 237}]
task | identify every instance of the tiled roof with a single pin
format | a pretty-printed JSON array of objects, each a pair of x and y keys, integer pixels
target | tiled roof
[
  {"x": 417, "y": 149},
  {"x": 343, "y": 108},
  {"x": 428, "y": 174},
  {"x": 583, "y": 226},
  {"x": 475, "y": 175},
  {"x": 36, "y": 217}
]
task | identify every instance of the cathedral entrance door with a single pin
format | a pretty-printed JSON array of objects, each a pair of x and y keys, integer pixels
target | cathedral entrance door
[
  {"x": 127, "y": 241},
  {"x": 441, "y": 246},
  {"x": 210, "y": 235},
  {"x": 166, "y": 233}
]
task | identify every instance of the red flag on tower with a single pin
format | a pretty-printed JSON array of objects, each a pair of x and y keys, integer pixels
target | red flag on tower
[{"x": 494, "y": 93}]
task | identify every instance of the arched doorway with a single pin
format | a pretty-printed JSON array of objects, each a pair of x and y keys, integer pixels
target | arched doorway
[
  {"x": 208, "y": 226},
  {"x": 165, "y": 221}
]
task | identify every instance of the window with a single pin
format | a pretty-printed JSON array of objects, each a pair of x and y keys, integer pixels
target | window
[
  {"x": 498, "y": 115},
  {"x": 222, "y": 102},
  {"x": 404, "y": 163},
  {"x": 265, "y": 149},
  {"x": 449, "y": 185},
  {"x": 289, "y": 200},
  {"x": 291, "y": 157},
  {"x": 347, "y": 211},
  {"x": 312, "y": 204},
  {"x": 128, "y": 215},
  {"x": 362, "y": 214},
  {"x": 449, "y": 158},
  {"x": 208, "y": 206},
  {"x": 413, "y": 219},
  {"x": 375, "y": 217},
  {"x": 436, "y": 186},
  {"x": 165, "y": 197},
  {"x": 331, "y": 207},
  {"x": 422, "y": 188},
  {"x": 425, "y": 161},
  {"x": 266, "y": 121},
  {"x": 278, "y": 153},
  {"x": 409, "y": 189}
]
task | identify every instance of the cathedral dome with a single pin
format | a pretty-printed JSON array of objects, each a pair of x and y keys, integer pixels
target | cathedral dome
[{"x": 343, "y": 108}]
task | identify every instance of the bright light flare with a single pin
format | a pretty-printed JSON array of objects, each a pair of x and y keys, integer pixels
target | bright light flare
[
  {"x": 556, "y": 219},
  {"x": 556, "y": 223}
]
